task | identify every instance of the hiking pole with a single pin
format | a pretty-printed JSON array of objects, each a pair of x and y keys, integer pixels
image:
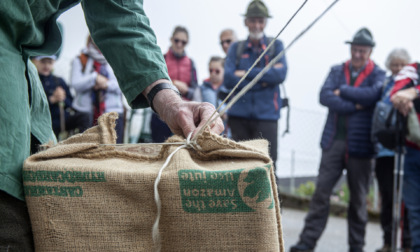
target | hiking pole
[
  {"x": 286, "y": 103},
  {"x": 398, "y": 182},
  {"x": 62, "y": 134}
]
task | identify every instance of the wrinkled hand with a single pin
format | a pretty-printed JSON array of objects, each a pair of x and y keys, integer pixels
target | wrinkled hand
[
  {"x": 403, "y": 100},
  {"x": 184, "y": 117},
  {"x": 181, "y": 86}
]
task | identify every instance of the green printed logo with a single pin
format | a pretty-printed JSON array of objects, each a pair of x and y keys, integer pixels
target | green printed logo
[
  {"x": 47, "y": 177},
  {"x": 60, "y": 191},
  {"x": 243, "y": 190}
]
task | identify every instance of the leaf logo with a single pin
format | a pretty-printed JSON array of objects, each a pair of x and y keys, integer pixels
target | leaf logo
[{"x": 255, "y": 188}]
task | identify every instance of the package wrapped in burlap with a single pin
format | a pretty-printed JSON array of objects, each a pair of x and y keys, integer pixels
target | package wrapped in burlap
[{"x": 87, "y": 194}]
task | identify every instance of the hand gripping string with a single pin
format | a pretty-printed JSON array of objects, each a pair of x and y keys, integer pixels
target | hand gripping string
[
  {"x": 214, "y": 117},
  {"x": 246, "y": 74},
  {"x": 155, "y": 231}
]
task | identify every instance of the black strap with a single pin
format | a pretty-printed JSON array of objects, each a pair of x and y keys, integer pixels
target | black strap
[{"x": 156, "y": 89}]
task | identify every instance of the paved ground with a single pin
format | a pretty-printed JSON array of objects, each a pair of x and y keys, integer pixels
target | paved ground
[{"x": 334, "y": 238}]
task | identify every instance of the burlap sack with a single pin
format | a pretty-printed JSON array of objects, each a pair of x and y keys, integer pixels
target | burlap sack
[{"x": 85, "y": 195}]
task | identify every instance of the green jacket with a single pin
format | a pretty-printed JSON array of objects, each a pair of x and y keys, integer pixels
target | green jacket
[{"x": 29, "y": 28}]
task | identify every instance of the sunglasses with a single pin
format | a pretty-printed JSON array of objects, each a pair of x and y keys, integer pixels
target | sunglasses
[
  {"x": 228, "y": 41},
  {"x": 216, "y": 71},
  {"x": 180, "y": 41}
]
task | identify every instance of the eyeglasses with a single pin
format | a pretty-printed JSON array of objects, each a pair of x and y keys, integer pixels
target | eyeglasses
[
  {"x": 180, "y": 41},
  {"x": 228, "y": 41},
  {"x": 216, "y": 71}
]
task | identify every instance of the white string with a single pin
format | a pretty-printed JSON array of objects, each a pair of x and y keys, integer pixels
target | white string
[{"x": 155, "y": 230}]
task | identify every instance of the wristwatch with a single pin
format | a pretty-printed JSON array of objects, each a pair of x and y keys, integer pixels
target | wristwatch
[{"x": 159, "y": 87}]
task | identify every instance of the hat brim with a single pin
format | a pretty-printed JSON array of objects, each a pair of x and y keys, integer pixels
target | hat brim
[
  {"x": 244, "y": 15},
  {"x": 360, "y": 43},
  {"x": 53, "y": 57}
]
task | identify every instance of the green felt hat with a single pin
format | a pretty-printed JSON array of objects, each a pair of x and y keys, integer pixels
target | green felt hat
[
  {"x": 257, "y": 9},
  {"x": 362, "y": 37}
]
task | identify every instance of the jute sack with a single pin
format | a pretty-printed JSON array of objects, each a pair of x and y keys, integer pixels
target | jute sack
[{"x": 87, "y": 194}]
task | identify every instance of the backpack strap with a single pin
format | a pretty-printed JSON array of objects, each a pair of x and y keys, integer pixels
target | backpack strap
[
  {"x": 272, "y": 50},
  {"x": 239, "y": 50}
]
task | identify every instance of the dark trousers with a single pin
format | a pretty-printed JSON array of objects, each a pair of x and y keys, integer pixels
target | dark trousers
[
  {"x": 160, "y": 130},
  {"x": 411, "y": 194},
  {"x": 359, "y": 170},
  {"x": 15, "y": 226},
  {"x": 246, "y": 129},
  {"x": 384, "y": 170},
  {"x": 74, "y": 120}
]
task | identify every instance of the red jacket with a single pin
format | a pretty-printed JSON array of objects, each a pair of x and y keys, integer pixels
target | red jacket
[
  {"x": 182, "y": 69},
  {"x": 407, "y": 76}
]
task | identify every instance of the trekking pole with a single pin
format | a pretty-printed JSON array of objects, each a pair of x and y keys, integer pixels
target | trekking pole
[
  {"x": 62, "y": 134},
  {"x": 398, "y": 183}
]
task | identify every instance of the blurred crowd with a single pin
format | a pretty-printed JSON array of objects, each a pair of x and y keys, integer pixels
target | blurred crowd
[{"x": 350, "y": 92}]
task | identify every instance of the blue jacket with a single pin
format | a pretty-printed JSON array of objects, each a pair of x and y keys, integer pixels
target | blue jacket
[
  {"x": 386, "y": 97},
  {"x": 358, "y": 121},
  {"x": 263, "y": 101},
  {"x": 208, "y": 94},
  {"x": 50, "y": 83}
]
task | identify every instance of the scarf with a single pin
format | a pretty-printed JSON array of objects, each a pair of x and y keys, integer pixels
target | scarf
[{"x": 362, "y": 76}]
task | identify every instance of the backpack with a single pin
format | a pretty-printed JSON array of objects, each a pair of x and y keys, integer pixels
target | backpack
[{"x": 386, "y": 119}]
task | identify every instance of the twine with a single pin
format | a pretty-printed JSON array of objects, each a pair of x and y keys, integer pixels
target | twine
[
  {"x": 191, "y": 143},
  {"x": 155, "y": 230}
]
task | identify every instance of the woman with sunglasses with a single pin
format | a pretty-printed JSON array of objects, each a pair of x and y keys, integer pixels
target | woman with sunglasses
[
  {"x": 211, "y": 86},
  {"x": 183, "y": 74}
]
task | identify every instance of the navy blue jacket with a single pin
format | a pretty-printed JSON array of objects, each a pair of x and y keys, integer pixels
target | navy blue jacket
[
  {"x": 358, "y": 121},
  {"x": 263, "y": 101},
  {"x": 50, "y": 83}
]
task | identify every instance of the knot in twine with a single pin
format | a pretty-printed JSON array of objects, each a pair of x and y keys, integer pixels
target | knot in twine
[{"x": 155, "y": 231}]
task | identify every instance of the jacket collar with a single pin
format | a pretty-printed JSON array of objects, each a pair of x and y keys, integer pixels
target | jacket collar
[{"x": 262, "y": 43}]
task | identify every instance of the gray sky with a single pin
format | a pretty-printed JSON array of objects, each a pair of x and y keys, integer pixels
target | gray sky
[{"x": 392, "y": 23}]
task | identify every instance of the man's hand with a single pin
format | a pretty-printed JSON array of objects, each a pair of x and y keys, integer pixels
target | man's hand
[
  {"x": 403, "y": 100},
  {"x": 240, "y": 73},
  {"x": 337, "y": 92},
  {"x": 183, "y": 117},
  {"x": 278, "y": 65}
]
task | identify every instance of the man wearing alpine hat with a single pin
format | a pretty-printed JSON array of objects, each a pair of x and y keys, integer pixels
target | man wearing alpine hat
[
  {"x": 350, "y": 92},
  {"x": 256, "y": 114}
]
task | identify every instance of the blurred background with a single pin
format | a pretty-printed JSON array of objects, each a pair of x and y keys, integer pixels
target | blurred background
[{"x": 392, "y": 23}]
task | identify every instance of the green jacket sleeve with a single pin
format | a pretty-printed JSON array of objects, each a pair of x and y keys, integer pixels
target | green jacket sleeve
[{"x": 122, "y": 32}]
